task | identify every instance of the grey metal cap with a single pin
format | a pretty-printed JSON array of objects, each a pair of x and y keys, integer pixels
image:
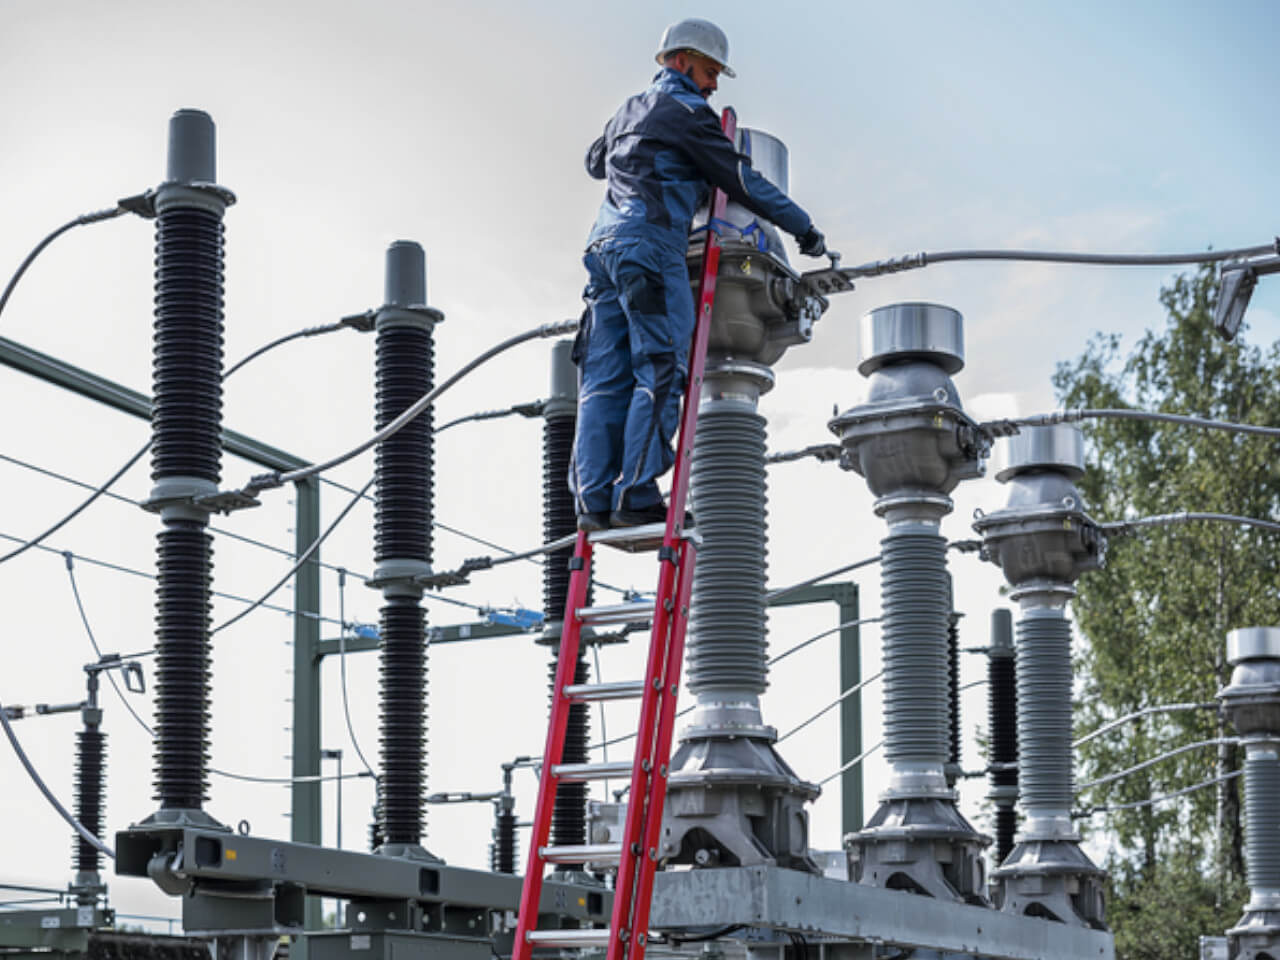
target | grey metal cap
[
  {"x": 912, "y": 331},
  {"x": 1059, "y": 447},
  {"x": 406, "y": 279},
  {"x": 769, "y": 156},
  {"x": 192, "y": 152},
  {"x": 1253, "y": 643}
]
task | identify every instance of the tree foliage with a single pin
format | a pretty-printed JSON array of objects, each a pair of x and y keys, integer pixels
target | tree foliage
[{"x": 1156, "y": 617}]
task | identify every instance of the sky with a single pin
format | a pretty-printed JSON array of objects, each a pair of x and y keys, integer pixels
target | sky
[{"x": 1136, "y": 127}]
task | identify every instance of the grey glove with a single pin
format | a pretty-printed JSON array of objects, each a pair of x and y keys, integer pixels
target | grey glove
[{"x": 812, "y": 243}]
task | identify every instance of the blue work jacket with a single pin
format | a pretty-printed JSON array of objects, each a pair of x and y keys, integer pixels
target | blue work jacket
[{"x": 658, "y": 154}]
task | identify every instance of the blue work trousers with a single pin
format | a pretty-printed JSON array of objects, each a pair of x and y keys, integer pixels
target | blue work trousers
[{"x": 633, "y": 358}]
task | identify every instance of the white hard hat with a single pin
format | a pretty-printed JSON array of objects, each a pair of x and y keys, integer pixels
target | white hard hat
[{"x": 700, "y": 36}]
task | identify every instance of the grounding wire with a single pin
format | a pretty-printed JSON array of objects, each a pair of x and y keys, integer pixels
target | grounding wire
[
  {"x": 1215, "y": 741},
  {"x": 85, "y": 218},
  {"x": 1151, "y": 801},
  {"x": 93, "y": 641},
  {"x": 783, "y": 591},
  {"x": 44, "y": 789},
  {"x": 1120, "y": 528},
  {"x": 270, "y": 481},
  {"x": 119, "y": 568},
  {"x": 342, "y": 670},
  {"x": 249, "y": 778},
  {"x": 832, "y": 705},
  {"x": 912, "y": 261},
  {"x": 1162, "y": 708},
  {"x": 852, "y": 763},
  {"x": 1008, "y": 426}
]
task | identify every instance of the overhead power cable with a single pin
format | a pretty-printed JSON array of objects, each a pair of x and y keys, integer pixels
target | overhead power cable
[
  {"x": 852, "y": 763},
  {"x": 302, "y": 559},
  {"x": 1137, "y": 714},
  {"x": 1186, "y": 747},
  {"x": 270, "y": 481},
  {"x": 832, "y": 705},
  {"x": 816, "y": 637},
  {"x": 106, "y": 485},
  {"x": 1122, "y": 528},
  {"x": 913, "y": 261},
  {"x": 531, "y": 409},
  {"x": 96, "y": 216},
  {"x": 1151, "y": 801},
  {"x": 1008, "y": 427}
]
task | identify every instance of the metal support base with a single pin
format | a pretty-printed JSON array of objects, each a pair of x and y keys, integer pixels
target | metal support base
[
  {"x": 922, "y": 845},
  {"x": 1053, "y": 879},
  {"x": 735, "y": 802}
]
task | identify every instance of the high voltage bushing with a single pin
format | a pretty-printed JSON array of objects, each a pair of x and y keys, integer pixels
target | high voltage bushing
[
  {"x": 1044, "y": 540},
  {"x": 953, "y": 767},
  {"x": 1002, "y": 731},
  {"x": 559, "y": 519},
  {"x": 1252, "y": 703},
  {"x": 503, "y": 850},
  {"x": 913, "y": 443},
  {"x": 90, "y": 797},
  {"x": 186, "y": 455},
  {"x": 405, "y": 372},
  {"x": 731, "y": 799}
]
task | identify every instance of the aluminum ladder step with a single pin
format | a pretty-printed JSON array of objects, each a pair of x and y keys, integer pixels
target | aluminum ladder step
[
  {"x": 639, "y": 539},
  {"x": 568, "y": 938},
  {"x": 596, "y": 692},
  {"x": 610, "y": 853},
  {"x": 637, "y": 611},
  {"x": 582, "y": 772}
]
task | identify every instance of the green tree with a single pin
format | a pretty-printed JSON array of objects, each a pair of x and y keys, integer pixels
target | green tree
[{"x": 1155, "y": 618}]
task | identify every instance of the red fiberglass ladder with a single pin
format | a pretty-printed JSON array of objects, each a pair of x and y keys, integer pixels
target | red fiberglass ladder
[{"x": 637, "y": 854}]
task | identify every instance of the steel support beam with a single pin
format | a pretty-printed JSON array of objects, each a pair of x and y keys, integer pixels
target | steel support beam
[
  {"x": 821, "y": 908},
  {"x": 845, "y": 595}
]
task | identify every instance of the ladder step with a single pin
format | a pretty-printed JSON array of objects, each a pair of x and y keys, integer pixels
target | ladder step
[
  {"x": 638, "y": 611},
  {"x": 582, "y": 772},
  {"x": 583, "y": 853},
  {"x": 595, "y": 692},
  {"x": 568, "y": 938},
  {"x": 639, "y": 539}
]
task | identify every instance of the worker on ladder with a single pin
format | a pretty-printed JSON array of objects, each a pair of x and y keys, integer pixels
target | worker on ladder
[{"x": 658, "y": 154}]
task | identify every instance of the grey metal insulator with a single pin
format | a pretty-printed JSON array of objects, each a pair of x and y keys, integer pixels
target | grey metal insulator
[
  {"x": 914, "y": 609},
  {"x": 1044, "y": 713},
  {"x": 727, "y": 621},
  {"x": 1262, "y": 818}
]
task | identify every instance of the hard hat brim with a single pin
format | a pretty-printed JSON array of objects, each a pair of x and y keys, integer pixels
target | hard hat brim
[{"x": 725, "y": 69}]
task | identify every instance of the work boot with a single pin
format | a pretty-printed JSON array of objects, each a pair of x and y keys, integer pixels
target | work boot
[
  {"x": 641, "y": 516},
  {"x": 593, "y": 522}
]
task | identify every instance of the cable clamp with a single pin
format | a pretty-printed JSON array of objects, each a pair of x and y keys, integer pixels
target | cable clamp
[
  {"x": 668, "y": 554},
  {"x": 576, "y": 563},
  {"x": 360, "y": 321},
  {"x": 142, "y": 204}
]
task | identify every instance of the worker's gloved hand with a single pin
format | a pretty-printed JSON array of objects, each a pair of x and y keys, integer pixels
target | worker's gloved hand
[{"x": 812, "y": 242}]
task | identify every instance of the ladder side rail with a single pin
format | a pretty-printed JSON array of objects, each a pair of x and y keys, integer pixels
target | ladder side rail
[
  {"x": 553, "y": 751},
  {"x": 697, "y": 353},
  {"x": 642, "y": 769},
  {"x": 656, "y": 800}
]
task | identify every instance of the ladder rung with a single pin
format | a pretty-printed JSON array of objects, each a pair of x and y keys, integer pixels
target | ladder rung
[
  {"x": 583, "y": 853},
  {"x": 594, "y": 692},
  {"x": 638, "y": 611},
  {"x": 581, "y": 772},
  {"x": 569, "y": 938},
  {"x": 636, "y": 539}
]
